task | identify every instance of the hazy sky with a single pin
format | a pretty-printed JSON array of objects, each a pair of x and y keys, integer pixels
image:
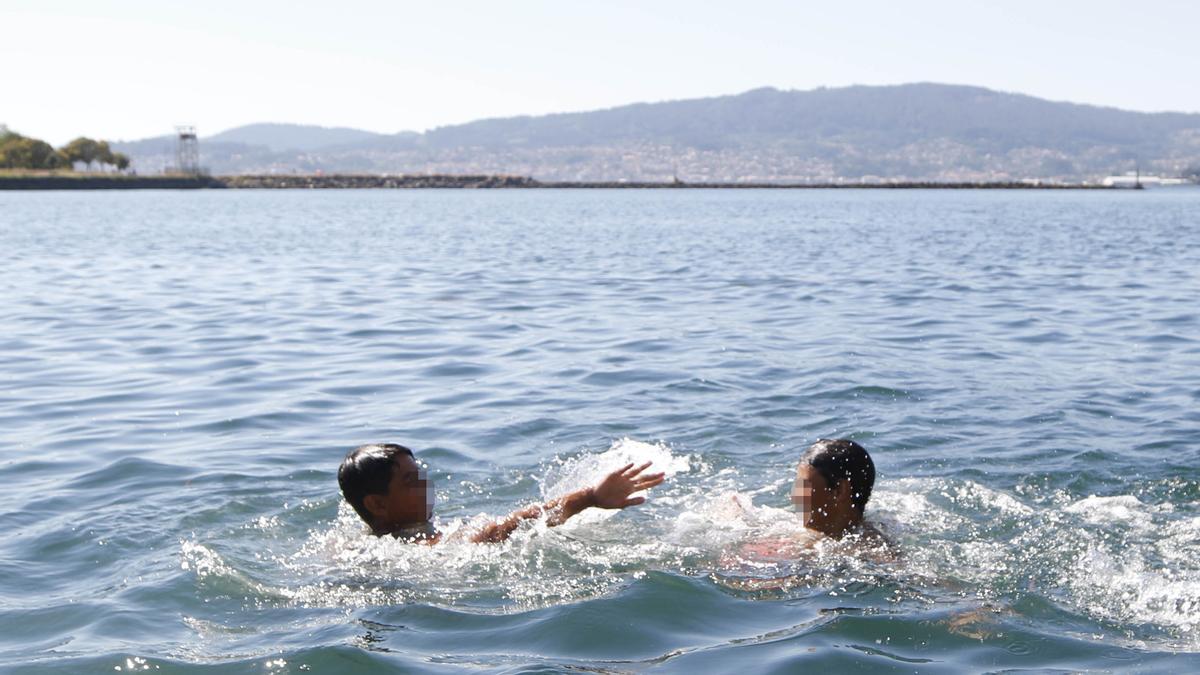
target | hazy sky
[{"x": 123, "y": 70}]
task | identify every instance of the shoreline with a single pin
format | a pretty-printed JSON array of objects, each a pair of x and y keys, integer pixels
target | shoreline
[{"x": 457, "y": 181}]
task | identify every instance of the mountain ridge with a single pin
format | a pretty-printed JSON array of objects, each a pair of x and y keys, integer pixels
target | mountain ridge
[
  {"x": 284, "y": 136},
  {"x": 922, "y": 131}
]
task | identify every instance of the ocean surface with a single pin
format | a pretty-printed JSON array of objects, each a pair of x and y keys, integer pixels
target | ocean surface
[{"x": 182, "y": 372}]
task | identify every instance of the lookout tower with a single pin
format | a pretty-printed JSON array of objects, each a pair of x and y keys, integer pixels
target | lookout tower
[{"x": 187, "y": 151}]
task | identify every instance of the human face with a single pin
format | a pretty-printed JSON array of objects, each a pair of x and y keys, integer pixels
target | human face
[
  {"x": 813, "y": 497},
  {"x": 410, "y": 494}
]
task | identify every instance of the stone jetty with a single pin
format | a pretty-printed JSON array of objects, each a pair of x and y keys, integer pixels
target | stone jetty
[
  {"x": 85, "y": 181},
  {"x": 351, "y": 181}
]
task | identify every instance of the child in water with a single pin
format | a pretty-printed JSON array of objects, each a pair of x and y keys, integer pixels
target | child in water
[
  {"x": 391, "y": 493},
  {"x": 833, "y": 484}
]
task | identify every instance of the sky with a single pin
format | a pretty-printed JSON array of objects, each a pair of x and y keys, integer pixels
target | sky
[{"x": 134, "y": 69}]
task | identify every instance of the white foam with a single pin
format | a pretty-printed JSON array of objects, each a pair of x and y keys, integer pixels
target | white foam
[
  {"x": 588, "y": 469},
  {"x": 201, "y": 559},
  {"x": 973, "y": 495},
  {"x": 906, "y": 503},
  {"x": 709, "y": 523},
  {"x": 1123, "y": 586},
  {"x": 1145, "y": 572},
  {"x": 1101, "y": 510}
]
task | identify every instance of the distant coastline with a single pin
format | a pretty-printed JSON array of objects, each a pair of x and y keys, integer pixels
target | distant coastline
[
  {"x": 914, "y": 132},
  {"x": 454, "y": 181}
]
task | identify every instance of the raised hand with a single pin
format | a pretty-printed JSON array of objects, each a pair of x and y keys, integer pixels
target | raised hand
[{"x": 613, "y": 492}]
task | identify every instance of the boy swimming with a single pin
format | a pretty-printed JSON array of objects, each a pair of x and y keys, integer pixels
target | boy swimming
[
  {"x": 833, "y": 484},
  {"x": 834, "y": 479},
  {"x": 391, "y": 493}
]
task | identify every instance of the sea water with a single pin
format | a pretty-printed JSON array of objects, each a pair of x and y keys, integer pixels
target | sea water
[{"x": 182, "y": 372}]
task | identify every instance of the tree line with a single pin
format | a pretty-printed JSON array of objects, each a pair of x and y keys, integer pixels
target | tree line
[{"x": 22, "y": 152}]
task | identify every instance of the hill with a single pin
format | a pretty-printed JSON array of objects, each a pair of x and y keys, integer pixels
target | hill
[
  {"x": 912, "y": 132},
  {"x": 282, "y": 137}
]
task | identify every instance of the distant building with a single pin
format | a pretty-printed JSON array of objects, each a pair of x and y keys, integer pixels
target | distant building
[
  {"x": 187, "y": 151},
  {"x": 1132, "y": 179}
]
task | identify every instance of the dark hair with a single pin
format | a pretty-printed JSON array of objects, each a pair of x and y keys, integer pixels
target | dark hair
[
  {"x": 367, "y": 470},
  {"x": 841, "y": 459}
]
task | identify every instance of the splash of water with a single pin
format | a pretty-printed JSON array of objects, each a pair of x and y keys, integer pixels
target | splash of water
[{"x": 1116, "y": 559}]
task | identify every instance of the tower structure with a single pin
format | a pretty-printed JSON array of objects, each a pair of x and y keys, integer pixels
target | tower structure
[{"x": 187, "y": 151}]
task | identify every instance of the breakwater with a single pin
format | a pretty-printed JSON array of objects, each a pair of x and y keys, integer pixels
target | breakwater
[
  {"x": 358, "y": 181},
  {"x": 101, "y": 181},
  {"x": 70, "y": 181}
]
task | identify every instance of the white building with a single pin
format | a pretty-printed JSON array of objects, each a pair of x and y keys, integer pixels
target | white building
[{"x": 1131, "y": 179}]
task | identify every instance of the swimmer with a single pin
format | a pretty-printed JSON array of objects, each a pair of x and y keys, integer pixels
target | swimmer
[
  {"x": 391, "y": 493},
  {"x": 833, "y": 484}
]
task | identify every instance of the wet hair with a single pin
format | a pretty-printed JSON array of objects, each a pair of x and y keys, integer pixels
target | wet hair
[
  {"x": 367, "y": 470},
  {"x": 841, "y": 459}
]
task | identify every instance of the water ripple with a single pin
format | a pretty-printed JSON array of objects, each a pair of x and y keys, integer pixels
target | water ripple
[{"x": 180, "y": 374}]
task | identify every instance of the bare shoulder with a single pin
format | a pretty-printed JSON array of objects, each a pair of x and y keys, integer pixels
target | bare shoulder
[{"x": 773, "y": 549}]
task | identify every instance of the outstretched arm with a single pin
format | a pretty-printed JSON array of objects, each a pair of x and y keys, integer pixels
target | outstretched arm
[{"x": 611, "y": 493}]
